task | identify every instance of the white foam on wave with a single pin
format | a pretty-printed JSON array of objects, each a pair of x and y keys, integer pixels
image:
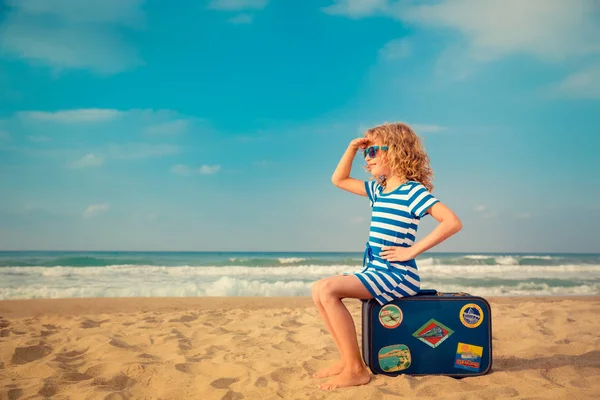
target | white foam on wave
[
  {"x": 307, "y": 271},
  {"x": 522, "y": 289},
  {"x": 301, "y": 271},
  {"x": 506, "y": 260},
  {"x": 158, "y": 281},
  {"x": 290, "y": 260},
  {"x": 478, "y": 257},
  {"x": 229, "y": 287},
  {"x": 225, "y": 286},
  {"x": 581, "y": 272}
]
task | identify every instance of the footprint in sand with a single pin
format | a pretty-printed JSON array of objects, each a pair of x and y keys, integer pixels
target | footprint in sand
[
  {"x": 223, "y": 383},
  {"x": 88, "y": 323},
  {"x": 24, "y": 355},
  {"x": 117, "y": 383},
  {"x": 71, "y": 360},
  {"x": 286, "y": 375},
  {"x": 49, "y": 389},
  {"x": 149, "y": 357},
  {"x": 261, "y": 382},
  {"x": 231, "y": 395},
  {"x": 74, "y": 377},
  {"x": 188, "y": 368},
  {"x": 96, "y": 370},
  {"x": 291, "y": 323},
  {"x": 219, "y": 331},
  {"x": 119, "y": 396},
  {"x": 14, "y": 394},
  {"x": 122, "y": 345},
  {"x": 185, "y": 318}
]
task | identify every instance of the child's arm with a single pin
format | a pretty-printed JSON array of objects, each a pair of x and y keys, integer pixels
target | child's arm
[
  {"x": 448, "y": 225},
  {"x": 341, "y": 175}
]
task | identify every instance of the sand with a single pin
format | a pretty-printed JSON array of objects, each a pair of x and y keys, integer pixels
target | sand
[{"x": 267, "y": 348}]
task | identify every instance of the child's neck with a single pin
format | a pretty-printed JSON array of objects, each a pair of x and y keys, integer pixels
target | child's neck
[{"x": 393, "y": 182}]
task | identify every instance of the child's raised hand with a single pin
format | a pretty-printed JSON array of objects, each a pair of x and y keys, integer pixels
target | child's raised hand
[
  {"x": 396, "y": 253},
  {"x": 359, "y": 143}
]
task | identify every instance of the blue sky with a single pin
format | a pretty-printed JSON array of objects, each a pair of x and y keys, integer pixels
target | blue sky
[{"x": 216, "y": 125}]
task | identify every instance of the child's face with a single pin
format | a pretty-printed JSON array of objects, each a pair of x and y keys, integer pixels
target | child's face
[{"x": 377, "y": 164}]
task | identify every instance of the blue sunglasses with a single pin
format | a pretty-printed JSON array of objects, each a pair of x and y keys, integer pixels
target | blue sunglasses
[{"x": 372, "y": 151}]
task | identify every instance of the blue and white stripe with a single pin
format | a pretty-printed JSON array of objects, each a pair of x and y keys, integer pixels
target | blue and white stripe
[{"x": 394, "y": 222}]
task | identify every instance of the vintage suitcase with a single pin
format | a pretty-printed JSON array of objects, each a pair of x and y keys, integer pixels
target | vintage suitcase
[{"x": 431, "y": 333}]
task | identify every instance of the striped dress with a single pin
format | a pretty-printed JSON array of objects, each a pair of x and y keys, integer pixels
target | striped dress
[{"x": 394, "y": 222}]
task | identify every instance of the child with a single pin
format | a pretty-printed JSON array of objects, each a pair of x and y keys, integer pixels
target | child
[{"x": 399, "y": 196}]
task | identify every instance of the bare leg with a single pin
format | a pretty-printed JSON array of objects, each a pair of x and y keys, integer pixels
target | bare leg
[
  {"x": 332, "y": 292},
  {"x": 338, "y": 366}
]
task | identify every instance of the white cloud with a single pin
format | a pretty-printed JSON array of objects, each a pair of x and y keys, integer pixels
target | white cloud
[
  {"x": 237, "y": 5},
  {"x": 73, "y": 33},
  {"x": 168, "y": 128},
  {"x": 72, "y": 116},
  {"x": 581, "y": 84},
  {"x": 184, "y": 170},
  {"x": 356, "y": 8},
  {"x": 427, "y": 128},
  {"x": 485, "y": 212},
  {"x": 550, "y": 30},
  {"x": 242, "y": 19},
  {"x": 95, "y": 209},
  {"x": 38, "y": 138},
  {"x": 140, "y": 150},
  {"x": 89, "y": 160},
  {"x": 208, "y": 169},
  {"x": 395, "y": 49}
]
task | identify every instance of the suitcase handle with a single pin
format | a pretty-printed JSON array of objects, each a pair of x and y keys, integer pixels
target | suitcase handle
[{"x": 427, "y": 292}]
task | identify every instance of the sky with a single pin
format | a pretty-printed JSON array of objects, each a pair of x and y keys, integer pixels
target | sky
[{"x": 216, "y": 125}]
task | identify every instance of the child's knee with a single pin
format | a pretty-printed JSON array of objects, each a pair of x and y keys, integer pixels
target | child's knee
[
  {"x": 316, "y": 290},
  {"x": 327, "y": 291}
]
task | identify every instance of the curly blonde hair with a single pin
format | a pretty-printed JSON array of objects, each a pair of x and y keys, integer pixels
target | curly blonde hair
[{"x": 406, "y": 154}]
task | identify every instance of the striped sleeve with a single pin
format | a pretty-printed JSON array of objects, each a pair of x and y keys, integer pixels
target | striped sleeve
[
  {"x": 372, "y": 188},
  {"x": 420, "y": 200}
]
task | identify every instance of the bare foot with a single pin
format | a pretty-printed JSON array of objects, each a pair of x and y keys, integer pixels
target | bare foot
[
  {"x": 347, "y": 378},
  {"x": 331, "y": 371}
]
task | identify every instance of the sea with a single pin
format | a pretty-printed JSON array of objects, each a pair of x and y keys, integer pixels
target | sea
[{"x": 76, "y": 274}]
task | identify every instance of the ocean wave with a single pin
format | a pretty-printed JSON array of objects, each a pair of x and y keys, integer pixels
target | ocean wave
[
  {"x": 304, "y": 271},
  {"x": 225, "y": 287},
  {"x": 291, "y": 260},
  {"x": 88, "y": 260},
  {"x": 230, "y": 287}
]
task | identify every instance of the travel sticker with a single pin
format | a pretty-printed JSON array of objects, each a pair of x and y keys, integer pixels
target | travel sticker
[
  {"x": 471, "y": 315},
  {"x": 390, "y": 316},
  {"x": 468, "y": 357},
  {"x": 394, "y": 358},
  {"x": 433, "y": 333}
]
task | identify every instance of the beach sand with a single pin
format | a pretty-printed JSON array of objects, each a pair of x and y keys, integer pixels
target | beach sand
[{"x": 267, "y": 348}]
